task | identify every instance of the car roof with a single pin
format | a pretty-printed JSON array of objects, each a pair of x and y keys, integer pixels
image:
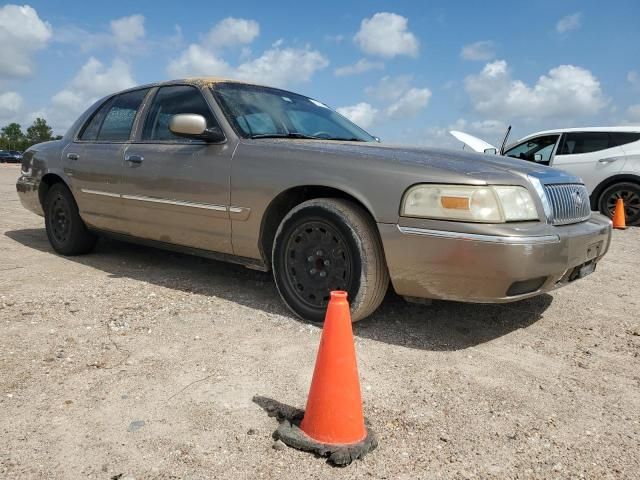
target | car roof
[
  {"x": 199, "y": 81},
  {"x": 627, "y": 128}
]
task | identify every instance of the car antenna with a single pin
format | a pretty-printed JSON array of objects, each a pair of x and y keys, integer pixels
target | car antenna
[{"x": 504, "y": 142}]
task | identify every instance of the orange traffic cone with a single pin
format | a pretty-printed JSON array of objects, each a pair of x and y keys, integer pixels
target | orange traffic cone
[
  {"x": 619, "y": 221},
  {"x": 334, "y": 407},
  {"x": 333, "y": 424}
]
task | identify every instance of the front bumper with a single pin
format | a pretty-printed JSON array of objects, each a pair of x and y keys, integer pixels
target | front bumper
[
  {"x": 474, "y": 267},
  {"x": 27, "y": 188}
]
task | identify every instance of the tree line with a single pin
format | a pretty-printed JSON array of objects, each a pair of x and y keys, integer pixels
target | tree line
[{"x": 13, "y": 138}]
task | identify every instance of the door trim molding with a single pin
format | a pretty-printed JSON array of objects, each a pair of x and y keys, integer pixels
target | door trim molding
[
  {"x": 236, "y": 212},
  {"x": 180, "y": 203}
]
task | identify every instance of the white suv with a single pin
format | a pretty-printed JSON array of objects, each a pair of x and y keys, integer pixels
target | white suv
[{"x": 606, "y": 158}]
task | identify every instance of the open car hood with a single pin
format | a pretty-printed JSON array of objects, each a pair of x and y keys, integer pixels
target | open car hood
[{"x": 476, "y": 144}]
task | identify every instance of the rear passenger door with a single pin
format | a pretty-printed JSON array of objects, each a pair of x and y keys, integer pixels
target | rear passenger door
[
  {"x": 176, "y": 189},
  {"x": 94, "y": 160},
  {"x": 590, "y": 155}
]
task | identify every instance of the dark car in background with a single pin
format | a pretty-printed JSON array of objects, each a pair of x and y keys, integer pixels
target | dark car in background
[{"x": 10, "y": 156}]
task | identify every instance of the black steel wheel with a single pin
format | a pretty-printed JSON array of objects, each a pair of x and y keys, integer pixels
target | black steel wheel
[
  {"x": 67, "y": 233},
  {"x": 317, "y": 260},
  {"x": 629, "y": 193},
  {"x": 324, "y": 245}
]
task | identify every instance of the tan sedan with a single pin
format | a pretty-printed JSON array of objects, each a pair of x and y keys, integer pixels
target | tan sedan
[{"x": 278, "y": 181}]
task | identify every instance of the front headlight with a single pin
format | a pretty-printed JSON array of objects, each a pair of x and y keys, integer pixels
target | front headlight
[{"x": 489, "y": 204}]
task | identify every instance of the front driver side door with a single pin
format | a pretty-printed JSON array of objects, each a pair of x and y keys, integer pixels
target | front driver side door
[{"x": 175, "y": 189}]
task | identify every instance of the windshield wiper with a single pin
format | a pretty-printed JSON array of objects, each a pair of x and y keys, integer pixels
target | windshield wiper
[
  {"x": 285, "y": 135},
  {"x": 303, "y": 136},
  {"x": 340, "y": 139}
]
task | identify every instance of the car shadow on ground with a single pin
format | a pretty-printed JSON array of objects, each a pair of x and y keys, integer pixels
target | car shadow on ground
[{"x": 439, "y": 326}]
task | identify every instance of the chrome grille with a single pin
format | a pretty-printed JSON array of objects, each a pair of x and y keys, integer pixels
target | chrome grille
[{"x": 569, "y": 203}]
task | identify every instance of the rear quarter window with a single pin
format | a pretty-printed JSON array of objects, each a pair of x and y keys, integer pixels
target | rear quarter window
[
  {"x": 622, "y": 138},
  {"x": 584, "y": 142}
]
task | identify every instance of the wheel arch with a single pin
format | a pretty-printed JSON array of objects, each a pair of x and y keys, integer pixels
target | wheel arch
[
  {"x": 46, "y": 182},
  {"x": 623, "y": 177},
  {"x": 286, "y": 200}
]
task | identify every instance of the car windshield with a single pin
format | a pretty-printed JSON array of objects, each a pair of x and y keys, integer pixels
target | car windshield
[{"x": 262, "y": 112}]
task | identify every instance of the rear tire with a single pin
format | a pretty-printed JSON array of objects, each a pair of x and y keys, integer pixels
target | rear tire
[
  {"x": 329, "y": 244},
  {"x": 630, "y": 194},
  {"x": 67, "y": 233}
]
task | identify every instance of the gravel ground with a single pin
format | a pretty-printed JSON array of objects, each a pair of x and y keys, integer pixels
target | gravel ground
[{"x": 137, "y": 363}]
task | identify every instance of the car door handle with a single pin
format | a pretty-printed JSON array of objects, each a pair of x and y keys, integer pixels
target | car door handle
[
  {"x": 136, "y": 159},
  {"x": 608, "y": 160},
  {"x": 73, "y": 156}
]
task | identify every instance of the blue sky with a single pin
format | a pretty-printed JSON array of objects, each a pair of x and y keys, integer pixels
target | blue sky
[{"x": 406, "y": 71}]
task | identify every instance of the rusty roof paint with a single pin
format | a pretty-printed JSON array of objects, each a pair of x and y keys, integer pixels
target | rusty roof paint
[{"x": 209, "y": 81}]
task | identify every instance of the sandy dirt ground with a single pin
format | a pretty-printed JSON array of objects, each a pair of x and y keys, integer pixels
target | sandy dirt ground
[{"x": 133, "y": 362}]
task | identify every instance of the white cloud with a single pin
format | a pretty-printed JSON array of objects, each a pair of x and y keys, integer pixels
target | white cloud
[
  {"x": 491, "y": 131},
  {"x": 400, "y": 97},
  {"x": 390, "y": 88},
  {"x": 361, "y": 66},
  {"x": 362, "y": 114},
  {"x": 334, "y": 38},
  {"x": 489, "y": 127},
  {"x": 126, "y": 34},
  {"x": 10, "y": 104},
  {"x": 410, "y": 103},
  {"x": 278, "y": 65},
  {"x": 22, "y": 33},
  {"x": 127, "y": 30},
  {"x": 93, "y": 81},
  {"x": 633, "y": 78},
  {"x": 232, "y": 31},
  {"x": 196, "y": 60},
  {"x": 633, "y": 112},
  {"x": 568, "y": 23},
  {"x": 386, "y": 34},
  {"x": 479, "y": 51},
  {"x": 566, "y": 91},
  {"x": 282, "y": 66}
]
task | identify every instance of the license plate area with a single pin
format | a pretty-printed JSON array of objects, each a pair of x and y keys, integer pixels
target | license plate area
[
  {"x": 583, "y": 270},
  {"x": 593, "y": 251}
]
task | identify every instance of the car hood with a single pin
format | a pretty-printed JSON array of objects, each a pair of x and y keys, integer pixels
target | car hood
[{"x": 473, "y": 165}]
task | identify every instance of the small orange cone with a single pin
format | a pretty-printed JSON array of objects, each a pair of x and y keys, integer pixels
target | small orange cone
[
  {"x": 334, "y": 406},
  {"x": 332, "y": 425},
  {"x": 619, "y": 221}
]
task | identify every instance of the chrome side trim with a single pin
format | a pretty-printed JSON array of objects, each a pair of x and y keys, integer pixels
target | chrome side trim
[
  {"x": 100, "y": 192},
  {"x": 538, "y": 239},
  {"x": 166, "y": 201},
  {"x": 181, "y": 203},
  {"x": 239, "y": 213}
]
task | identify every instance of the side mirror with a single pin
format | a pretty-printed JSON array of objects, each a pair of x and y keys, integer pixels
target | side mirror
[
  {"x": 192, "y": 125},
  {"x": 537, "y": 157},
  {"x": 491, "y": 151}
]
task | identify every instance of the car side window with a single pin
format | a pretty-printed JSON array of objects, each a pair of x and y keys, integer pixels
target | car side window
[
  {"x": 117, "y": 123},
  {"x": 622, "y": 138},
  {"x": 538, "y": 149},
  {"x": 584, "y": 142},
  {"x": 91, "y": 128},
  {"x": 170, "y": 101}
]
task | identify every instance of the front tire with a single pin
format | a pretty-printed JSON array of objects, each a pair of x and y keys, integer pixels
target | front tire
[
  {"x": 329, "y": 244},
  {"x": 67, "y": 233},
  {"x": 630, "y": 194}
]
